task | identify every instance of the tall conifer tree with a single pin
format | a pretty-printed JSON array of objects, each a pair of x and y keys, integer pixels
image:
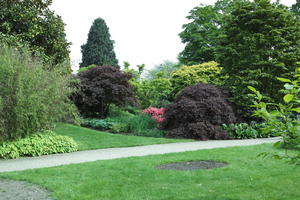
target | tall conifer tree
[{"x": 99, "y": 48}]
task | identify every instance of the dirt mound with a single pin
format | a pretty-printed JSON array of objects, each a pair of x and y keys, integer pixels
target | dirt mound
[{"x": 192, "y": 165}]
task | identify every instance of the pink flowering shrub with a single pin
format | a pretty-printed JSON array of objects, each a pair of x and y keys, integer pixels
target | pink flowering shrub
[{"x": 156, "y": 113}]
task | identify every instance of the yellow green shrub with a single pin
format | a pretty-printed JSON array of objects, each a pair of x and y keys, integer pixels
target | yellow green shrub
[{"x": 208, "y": 72}]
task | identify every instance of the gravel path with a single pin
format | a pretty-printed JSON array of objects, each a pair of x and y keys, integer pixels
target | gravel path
[
  {"x": 21, "y": 190},
  {"x": 113, "y": 153}
]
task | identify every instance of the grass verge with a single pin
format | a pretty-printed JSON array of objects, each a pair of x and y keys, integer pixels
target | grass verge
[
  {"x": 88, "y": 139},
  {"x": 246, "y": 177}
]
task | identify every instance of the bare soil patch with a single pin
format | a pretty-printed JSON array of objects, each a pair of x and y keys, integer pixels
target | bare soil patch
[
  {"x": 192, "y": 165},
  {"x": 21, "y": 190}
]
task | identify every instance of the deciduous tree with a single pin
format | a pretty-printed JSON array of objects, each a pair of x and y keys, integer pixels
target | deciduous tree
[
  {"x": 33, "y": 22},
  {"x": 261, "y": 42}
]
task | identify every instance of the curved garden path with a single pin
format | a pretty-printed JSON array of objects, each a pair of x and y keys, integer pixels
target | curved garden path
[{"x": 113, "y": 153}]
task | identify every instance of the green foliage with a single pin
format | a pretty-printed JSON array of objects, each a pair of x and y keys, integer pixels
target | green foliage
[
  {"x": 167, "y": 67},
  {"x": 149, "y": 92},
  {"x": 296, "y": 8},
  {"x": 201, "y": 35},
  {"x": 282, "y": 119},
  {"x": 99, "y": 48},
  {"x": 119, "y": 128},
  {"x": 127, "y": 111},
  {"x": 208, "y": 72},
  {"x": 32, "y": 98},
  {"x": 36, "y": 145},
  {"x": 33, "y": 22},
  {"x": 136, "y": 74},
  {"x": 153, "y": 92},
  {"x": 82, "y": 69},
  {"x": 140, "y": 125},
  {"x": 246, "y": 131},
  {"x": 101, "y": 124},
  {"x": 261, "y": 40}
]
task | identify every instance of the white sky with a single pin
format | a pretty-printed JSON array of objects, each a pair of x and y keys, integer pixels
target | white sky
[{"x": 144, "y": 31}]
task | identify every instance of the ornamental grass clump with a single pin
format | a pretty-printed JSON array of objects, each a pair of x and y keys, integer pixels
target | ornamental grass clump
[
  {"x": 32, "y": 98},
  {"x": 198, "y": 112}
]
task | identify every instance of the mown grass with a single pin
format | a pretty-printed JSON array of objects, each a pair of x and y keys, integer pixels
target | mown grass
[
  {"x": 247, "y": 177},
  {"x": 91, "y": 139}
]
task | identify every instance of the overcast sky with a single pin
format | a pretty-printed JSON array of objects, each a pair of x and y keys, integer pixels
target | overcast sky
[{"x": 144, "y": 31}]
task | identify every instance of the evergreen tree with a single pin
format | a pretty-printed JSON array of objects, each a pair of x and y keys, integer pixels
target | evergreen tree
[
  {"x": 261, "y": 41},
  {"x": 99, "y": 48}
]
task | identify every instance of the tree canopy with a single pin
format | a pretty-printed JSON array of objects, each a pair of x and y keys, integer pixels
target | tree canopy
[
  {"x": 201, "y": 35},
  {"x": 99, "y": 48},
  {"x": 100, "y": 87},
  {"x": 261, "y": 41},
  {"x": 33, "y": 22}
]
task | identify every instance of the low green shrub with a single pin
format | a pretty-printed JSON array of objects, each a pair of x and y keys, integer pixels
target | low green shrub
[
  {"x": 101, "y": 124},
  {"x": 131, "y": 110},
  {"x": 119, "y": 128},
  {"x": 208, "y": 72},
  {"x": 151, "y": 133},
  {"x": 37, "y": 145},
  {"x": 246, "y": 131},
  {"x": 115, "y": 111}
]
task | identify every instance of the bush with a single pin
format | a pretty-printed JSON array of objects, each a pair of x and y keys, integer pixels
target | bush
[
  {"x": 37, "y": 145},
  {"x": 198, "y": 113},
  {"x": 119, "y": 128},
  {"x": 153, "y": 92},
  {"x": 208, "y": 72},
  {"x": 155, "y": 113},
  {"x": 246, "y": 131},
  {"x": 33, "y": 98},
  {"x": 99, "y": 88}
]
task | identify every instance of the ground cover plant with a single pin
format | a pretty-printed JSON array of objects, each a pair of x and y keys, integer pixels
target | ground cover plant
[
  {"x": 36, "y": 145},
  {"x": 247, "y": 131},
  {"x": 91, "y": 139},
  {"x": 245, "y": 177}
]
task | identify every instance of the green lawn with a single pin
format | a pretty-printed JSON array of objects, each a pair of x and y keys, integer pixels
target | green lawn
[
  {"x": 245, "y": 178},
  {"x": 92, "y": 139}
]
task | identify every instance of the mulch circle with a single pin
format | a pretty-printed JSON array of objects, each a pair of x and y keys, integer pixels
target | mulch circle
[
  {"x": 21, "y": 190},
  {"x": 192, "y": 165}
]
